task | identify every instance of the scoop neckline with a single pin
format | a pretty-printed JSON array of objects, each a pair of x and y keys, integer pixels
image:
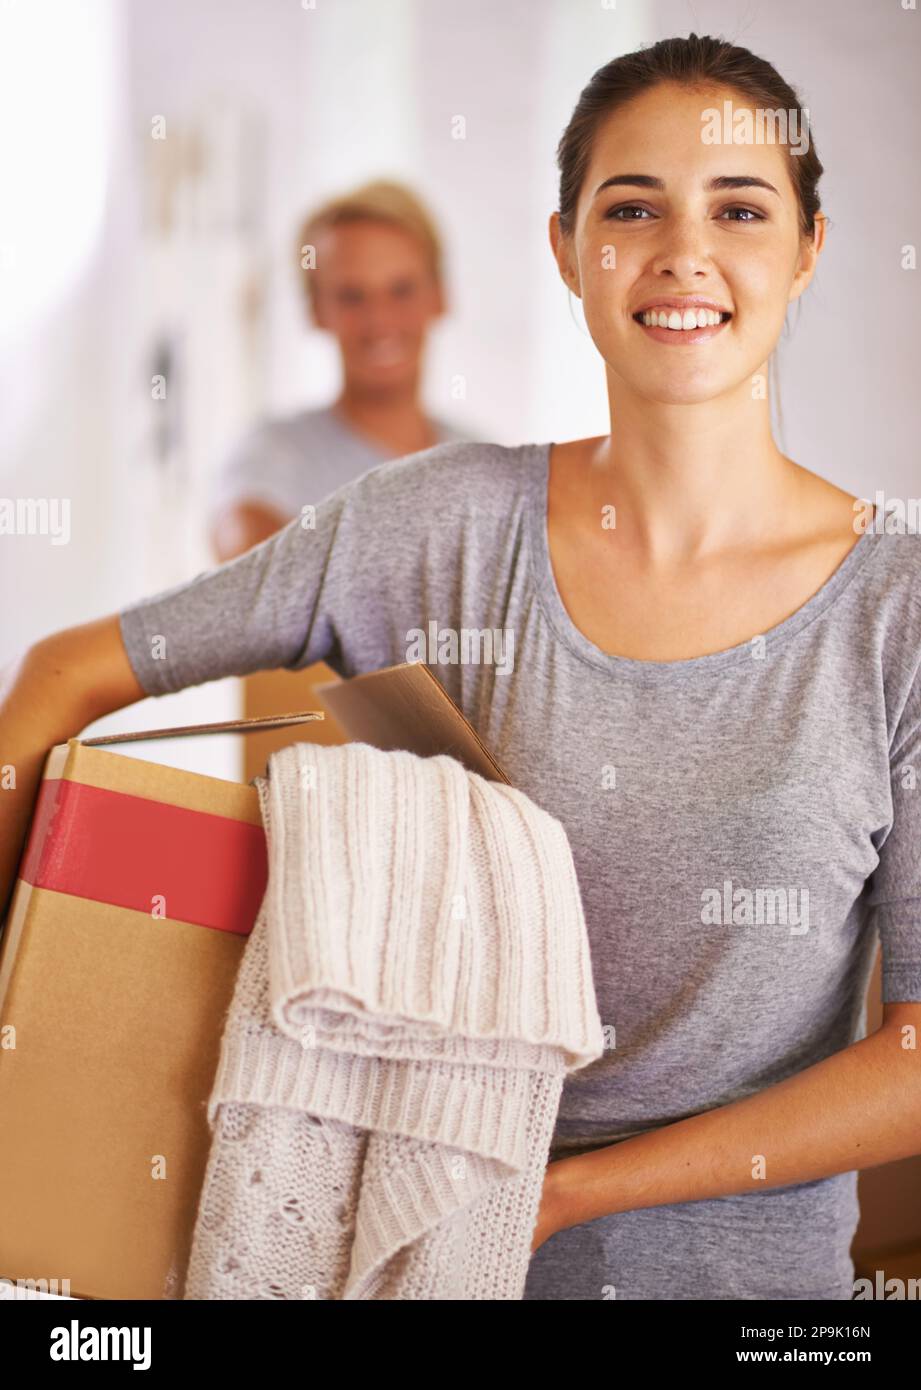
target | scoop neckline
[{"x": 643, "y": 669}]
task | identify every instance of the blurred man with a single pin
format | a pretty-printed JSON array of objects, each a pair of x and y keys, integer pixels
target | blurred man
[{"x": 377, "y": 285}]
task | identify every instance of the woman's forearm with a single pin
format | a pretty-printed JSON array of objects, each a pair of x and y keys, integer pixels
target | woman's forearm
[
  {"x": 856, "y": 1109},
  {"x": 28, "y": 728},
  {"x": 47, "y": 695}
]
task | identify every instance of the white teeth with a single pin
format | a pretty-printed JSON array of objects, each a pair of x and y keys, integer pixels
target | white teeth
[{"x": 674, "y": 319}]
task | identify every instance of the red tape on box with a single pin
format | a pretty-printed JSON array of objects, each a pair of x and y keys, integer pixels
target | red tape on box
[{"x": 133, "y": 852}]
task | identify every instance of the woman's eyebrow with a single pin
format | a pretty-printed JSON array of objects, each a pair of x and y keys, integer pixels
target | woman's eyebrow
[{"x": 715, "y": 185}]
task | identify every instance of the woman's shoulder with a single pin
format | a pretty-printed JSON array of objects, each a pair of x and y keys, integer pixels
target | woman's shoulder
[
  {"x": 888, "y": 546},
  {"x": 454, "y": 474},
  {"x": 890, "y": 603},
  {"x": 897, "y": 561}
]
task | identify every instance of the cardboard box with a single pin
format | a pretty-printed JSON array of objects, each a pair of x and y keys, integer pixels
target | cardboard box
[
  {"x": 382, "y": 705},
  {"x": 266, "y": 693},
  {"x": 137, "y": 889},
  {"x": 406, "y": 706}
]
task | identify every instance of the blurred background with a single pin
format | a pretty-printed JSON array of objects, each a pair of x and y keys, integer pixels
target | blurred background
[{"x": 158, "y": 163}]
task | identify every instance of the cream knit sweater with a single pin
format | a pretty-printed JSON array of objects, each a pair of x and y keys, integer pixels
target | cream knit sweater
[{"x": 415, "y": 988}]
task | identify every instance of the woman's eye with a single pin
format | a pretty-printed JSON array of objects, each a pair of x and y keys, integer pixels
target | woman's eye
[
  {"x": 750, "y": 214},
  {"x": 626, "y": 207},
  {"x": 633, "y": 212}
]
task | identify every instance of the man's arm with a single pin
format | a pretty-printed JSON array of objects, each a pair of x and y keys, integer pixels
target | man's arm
[
  {"x": 856, "y": 1109},
  {"x": 241, "y": 525}
]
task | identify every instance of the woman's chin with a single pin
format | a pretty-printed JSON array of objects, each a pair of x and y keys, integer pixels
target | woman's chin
[{"x": 672, "y": 392}]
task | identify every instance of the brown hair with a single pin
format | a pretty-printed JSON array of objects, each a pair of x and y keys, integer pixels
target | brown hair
[
  {"x": 694, "y": 63},
  {"x": 381, "y": 200}
]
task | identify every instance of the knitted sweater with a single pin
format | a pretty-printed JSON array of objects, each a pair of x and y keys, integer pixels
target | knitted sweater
[{"x": 415, "y": 989}]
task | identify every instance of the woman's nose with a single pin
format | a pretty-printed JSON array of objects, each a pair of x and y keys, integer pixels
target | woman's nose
[{"x": 684, "y": 250}]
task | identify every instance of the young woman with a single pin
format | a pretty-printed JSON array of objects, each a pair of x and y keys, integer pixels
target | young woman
[{"x": 718, "y": 695}]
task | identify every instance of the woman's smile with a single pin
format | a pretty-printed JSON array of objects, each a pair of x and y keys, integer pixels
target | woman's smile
[{"x": 669, "y": 322}]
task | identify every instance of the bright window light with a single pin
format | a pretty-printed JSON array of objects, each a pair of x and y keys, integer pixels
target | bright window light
[{"x": 56, "y": 88}]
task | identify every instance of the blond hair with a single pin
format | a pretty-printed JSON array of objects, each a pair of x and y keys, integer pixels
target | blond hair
[{"x": 379, "y": 200}]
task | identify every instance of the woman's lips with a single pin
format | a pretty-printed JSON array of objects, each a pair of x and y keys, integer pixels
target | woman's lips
[{"x": 682, "y": 337}]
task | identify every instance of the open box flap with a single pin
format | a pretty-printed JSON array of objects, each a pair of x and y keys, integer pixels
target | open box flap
[
  {"x": 407, "y": 707},
  {"x": 226, "y": 726}
]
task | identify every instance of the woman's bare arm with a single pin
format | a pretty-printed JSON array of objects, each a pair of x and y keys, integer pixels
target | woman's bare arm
[
  {"x": 856, "y": 1109},
  {"x": 48, "y": 694}
]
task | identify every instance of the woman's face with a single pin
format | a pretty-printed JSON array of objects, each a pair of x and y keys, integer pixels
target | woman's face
[
  {"x": 634, "y": 246},
  {"x": 375, "y": 292}
]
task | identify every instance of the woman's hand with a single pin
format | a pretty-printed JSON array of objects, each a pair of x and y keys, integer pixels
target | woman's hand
[{"x": 551, "y": 1213}]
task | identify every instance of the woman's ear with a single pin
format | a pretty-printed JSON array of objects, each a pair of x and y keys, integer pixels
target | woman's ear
[
  {"x": 810, "y": 250},
  {"x": 563, "y": 254}
]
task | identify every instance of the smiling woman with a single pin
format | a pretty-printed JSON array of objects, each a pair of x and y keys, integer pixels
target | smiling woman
[
  {"x": 675, "y": 240},
  {"x": 715, "y": 681},
  {"x": 658, "y": 212}
]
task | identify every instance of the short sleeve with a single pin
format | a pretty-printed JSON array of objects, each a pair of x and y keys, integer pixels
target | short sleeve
[
  {"x": 895, "y": 885},
  {"x": 308, "y": 593}
]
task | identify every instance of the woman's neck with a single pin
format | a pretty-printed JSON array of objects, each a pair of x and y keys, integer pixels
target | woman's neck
[{"x": 689, "y": 480}]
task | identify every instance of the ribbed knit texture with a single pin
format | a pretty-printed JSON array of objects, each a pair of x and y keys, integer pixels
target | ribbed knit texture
[{"x": 415, "y": 989}]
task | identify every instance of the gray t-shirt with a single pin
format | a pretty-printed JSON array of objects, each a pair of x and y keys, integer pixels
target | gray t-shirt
[
  {"x": 782, "y": 771},
  {"x": 288, "y": 461}
]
